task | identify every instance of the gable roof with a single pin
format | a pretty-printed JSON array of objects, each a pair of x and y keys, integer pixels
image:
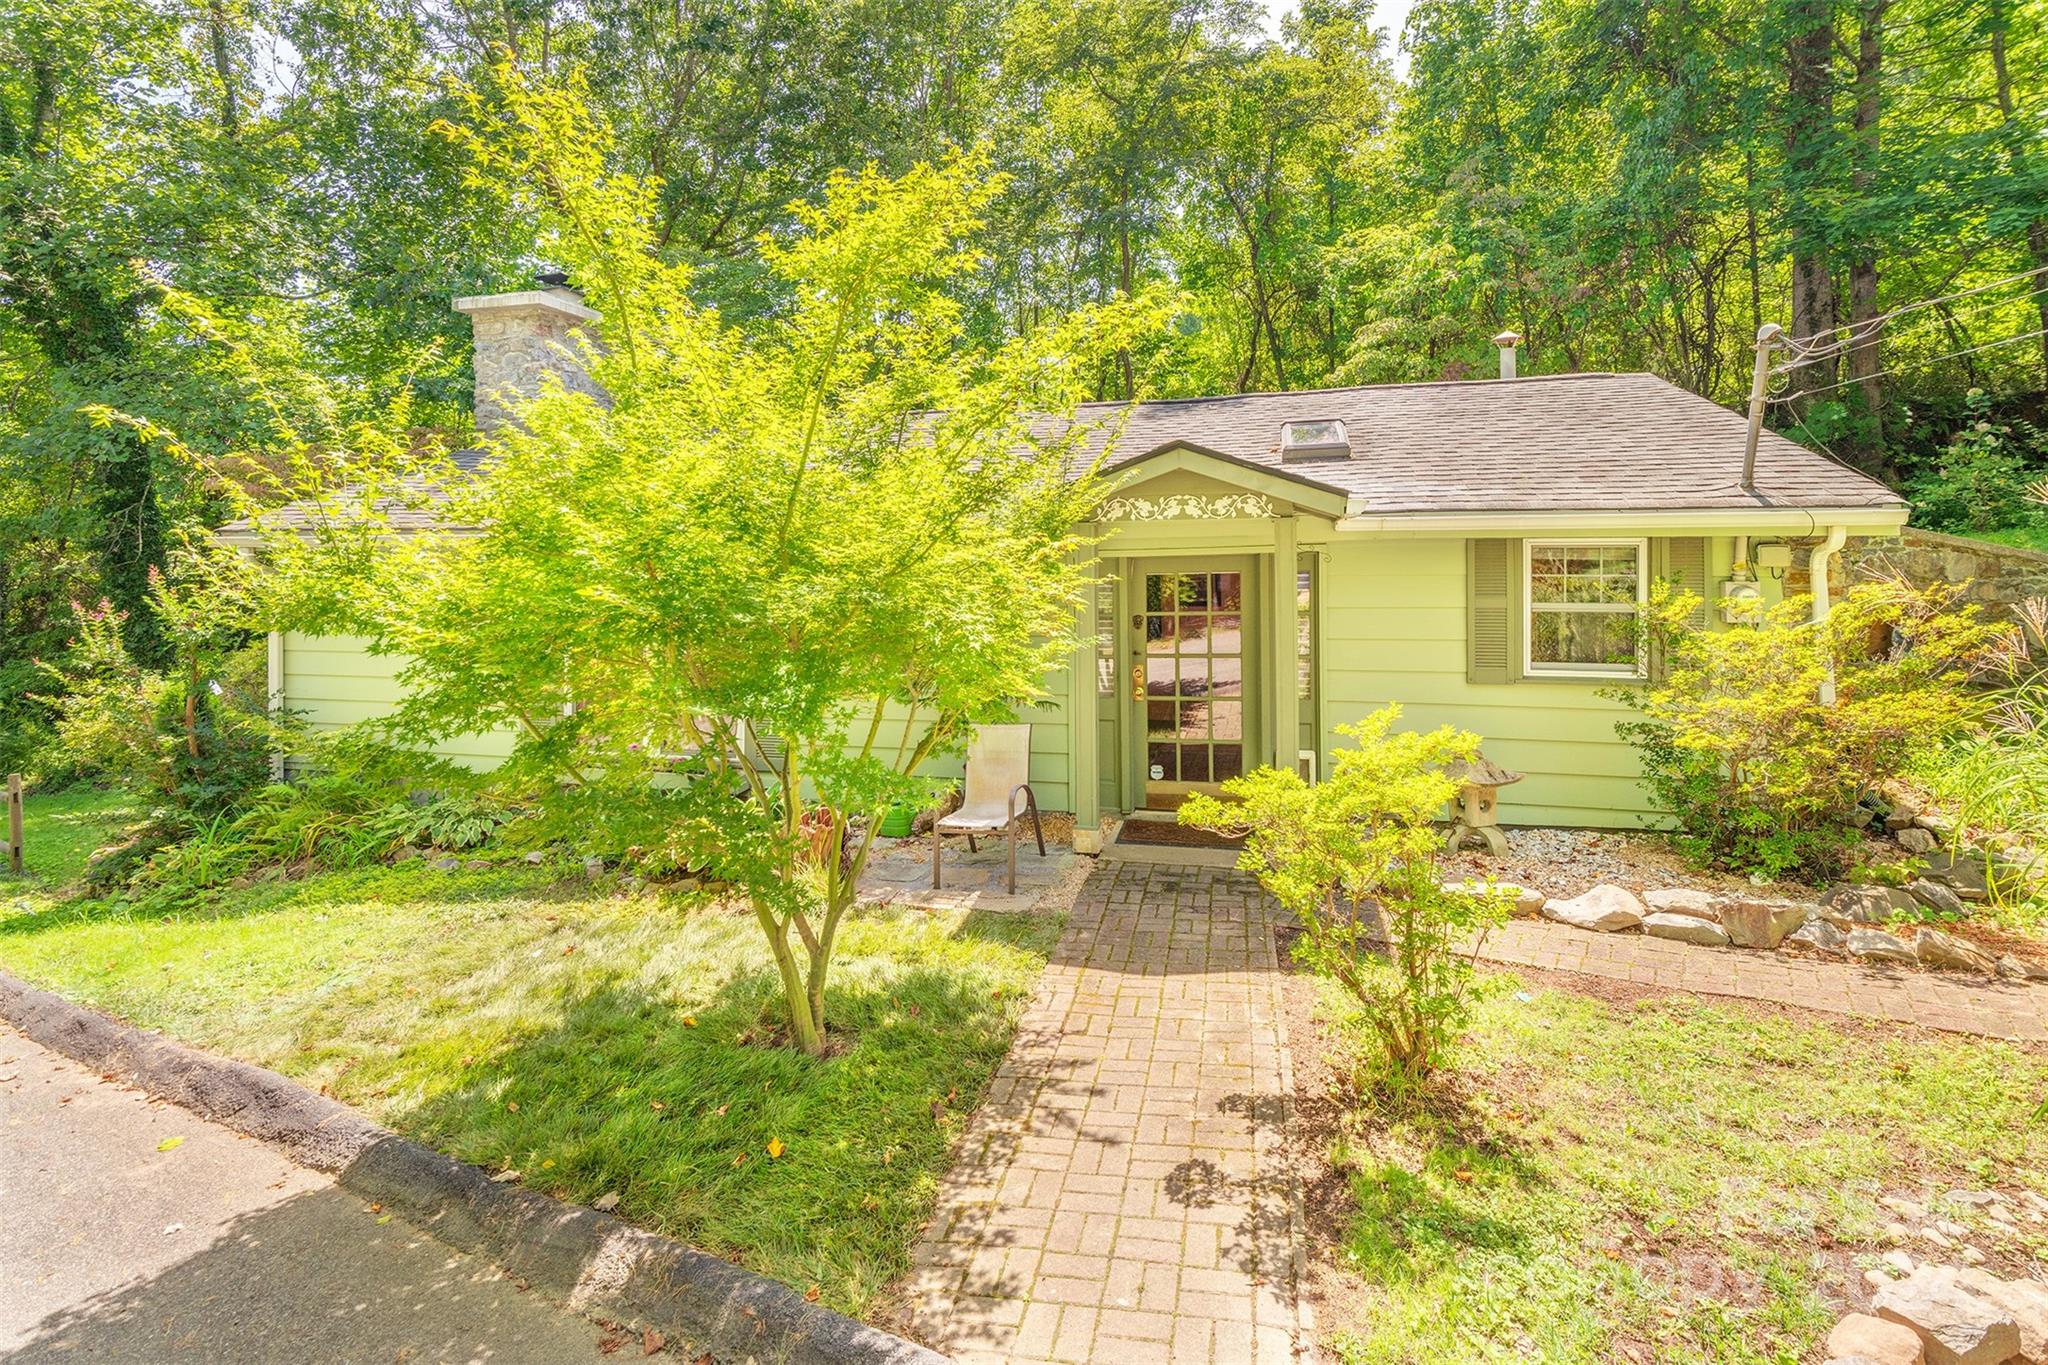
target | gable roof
[{"x": 1574, "y": 442}]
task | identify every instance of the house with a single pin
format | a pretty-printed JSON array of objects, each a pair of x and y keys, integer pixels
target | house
[{"x": 1275, "y": 565}]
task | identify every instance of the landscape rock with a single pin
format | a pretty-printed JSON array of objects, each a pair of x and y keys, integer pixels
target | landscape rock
[
  {"x": 1761, "y": 923},
  {"x": 1940, "y": 826},
  {"x": 2019, "y": 969},
  {"x": 1605, "y": 909},
  {"x": 405, "y": 854},
  {"x": 2025, "y": 1300},
  {"x": 536, "y": 858},
  {"x": 1946, "y": 951},
  {"x": 1683, "y": 900},
  {"x": 1969, "y": 1255},
  {"x": 1936, "y": 896},
  {"x": 1905, "y": 1208},
  {"x": 1868, "y": 904},
  {"x": 1913, "y": 839},
  {"x": 1901, "y": 1261},
  {"x": 446, "y": 864},
  {"x": 1874, "y": 945},
  {"x": 1902, "y": 813},
  {"x": 1888, "y": 1343},
  {"x": 1818, "y": 933},
  {"x": 1964, "y": 874},
  {"x": 1956, "y": 1325},
  {"x": 593, "y": 866},
  {"x": 1685, "y": 929}
]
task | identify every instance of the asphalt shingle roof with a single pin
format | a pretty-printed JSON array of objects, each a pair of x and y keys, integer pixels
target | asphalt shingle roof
[
  {"x": 1577, "y": 442},
  {"x": 1559, "y": 443}
]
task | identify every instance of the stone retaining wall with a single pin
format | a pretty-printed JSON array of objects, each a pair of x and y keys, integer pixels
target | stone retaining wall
[{"x": 1999, "y": 575}]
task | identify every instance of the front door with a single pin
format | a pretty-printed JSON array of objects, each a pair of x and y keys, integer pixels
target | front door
[{"x": 1196, "y": 674}]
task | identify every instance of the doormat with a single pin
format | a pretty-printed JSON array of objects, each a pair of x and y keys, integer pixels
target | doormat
[{"x": 1168, "y": 834}]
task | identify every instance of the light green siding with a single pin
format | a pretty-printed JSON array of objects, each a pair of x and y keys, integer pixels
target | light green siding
[
  {"x": 1393, "y": 629},
  {"x": 331, "y": 681}
]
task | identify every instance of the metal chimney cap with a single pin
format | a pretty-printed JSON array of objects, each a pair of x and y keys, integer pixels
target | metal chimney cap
[{"x": 1508, "y": 339}]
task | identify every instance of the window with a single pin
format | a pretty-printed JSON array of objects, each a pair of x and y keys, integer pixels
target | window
[{"x": 1585, "y": 604}]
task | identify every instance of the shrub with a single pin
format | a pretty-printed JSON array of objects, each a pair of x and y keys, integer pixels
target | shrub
[
  {"x": 1363, "y": 840},
  {"x": 1982, "y": 480},
  {"x": 1737, "y": 745},
  {"x": 194, "y": 739}
]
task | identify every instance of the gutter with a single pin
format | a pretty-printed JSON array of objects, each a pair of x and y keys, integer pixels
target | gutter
[
  {"x": 1800, "y": 521},
  {"x": 1817, "y": 570}
]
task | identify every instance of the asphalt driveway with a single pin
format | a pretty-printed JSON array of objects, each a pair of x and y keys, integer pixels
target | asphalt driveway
[{"x": 134, "y": 1230}]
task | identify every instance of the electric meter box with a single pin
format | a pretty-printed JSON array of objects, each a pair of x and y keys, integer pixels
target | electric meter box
[{"x": 1742, "y": 601}]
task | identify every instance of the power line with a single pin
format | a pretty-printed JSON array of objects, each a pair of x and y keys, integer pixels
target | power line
[
  {"x": 1818, "y": 354},
  {"x": 1910, "y": 365},
  {"x": 1863, "y": 330}
]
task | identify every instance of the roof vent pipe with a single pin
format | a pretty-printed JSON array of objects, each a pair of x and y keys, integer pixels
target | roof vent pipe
[{"x": 1507, "y": 341}]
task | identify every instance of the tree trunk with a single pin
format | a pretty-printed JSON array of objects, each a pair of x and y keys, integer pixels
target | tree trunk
[
  {"x": 1809, "y": 126},
  {"x": 2015, "y": 135},
  {"x": 1863, "y": 358}
]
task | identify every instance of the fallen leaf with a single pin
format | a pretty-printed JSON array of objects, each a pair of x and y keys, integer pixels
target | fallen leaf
[
  {"x": 651, "y": 1342},
  {"x": 722, "y": 1108},
  {"x": 775, "y": 1147},
  {"x": 1462, "y": 1176},
  {"x": 504, "y": 1177},
  {"x": 656, "y": 1104},
  {"x": 738, "y": 1159},
  {"x": 689, "y": 1021},
  {"x": 811, "y": 1294},
  {"x": 606, "y": 1202},
  {"x": 170, "y": 1144},
  {"x": 376, "y": 1208},
  {"x": 511, "y": 1106},
  {"x": 870, "y": 1204},
  {"x": 568, "y": 950},
  {"x": 382, "y": 1221},
  {"x": 548, "y": 1165}
]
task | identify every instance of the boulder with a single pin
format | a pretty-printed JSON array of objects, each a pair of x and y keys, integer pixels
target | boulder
[
  {"x": 1868, "y": 904},
  {"x": 2019, "y": 969},
  {"x": 1685, "y": 929},
  {"x": 1902, "y": 813},
  {"x": 1818, "y": 933},
  {"x": 1761, "y": 923},
  {"x": 1913, "y": 839},
  {"x": 1874, "y": 945},
  {"x": 1956, "y": 1325},
  {"x": 1888, "y": 1343},
  {"x": 1936, "y": 896},
  {"x": 1605, "y": 909},
  {"x": 1949, "y": 953},
  {"x": 1683, "y": 900},
  {"x": 536, "y": 858},
  {"x": 2025, "y": 1300},
  {"x": 446, "y": 864}
]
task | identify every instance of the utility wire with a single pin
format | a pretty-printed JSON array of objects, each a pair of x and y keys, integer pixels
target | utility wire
[
  {"x": 1815, "y": 355},
  {"x": 1866, "y": 328},
  {"x": 1910, "y": 365}
]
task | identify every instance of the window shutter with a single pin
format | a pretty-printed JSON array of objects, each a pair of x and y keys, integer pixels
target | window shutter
[
  {"x": 1685, "y": 564},
  {"x": 1682, "y": 562},
  {"x": 1492, "y": 592}
]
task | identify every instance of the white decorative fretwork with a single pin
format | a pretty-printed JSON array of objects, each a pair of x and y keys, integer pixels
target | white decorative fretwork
[{"x": 1187, "y": 507}]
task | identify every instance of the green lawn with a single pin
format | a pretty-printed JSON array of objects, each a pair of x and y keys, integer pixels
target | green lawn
[
  {"x": 2025, "y": 537},
  {"x": 592, "y": 1040},
  {"x": 1663, "y": 1180}
]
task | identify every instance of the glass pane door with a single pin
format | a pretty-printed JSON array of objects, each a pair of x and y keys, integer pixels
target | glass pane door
[{"x": 1194, "y": 683}]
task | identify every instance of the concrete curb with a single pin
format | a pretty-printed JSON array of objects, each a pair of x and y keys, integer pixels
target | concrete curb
[{"x": 591, "y": 1260}]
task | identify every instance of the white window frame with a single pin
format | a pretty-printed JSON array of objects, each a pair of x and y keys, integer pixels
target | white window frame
[{"x": 1533, "y": 669}]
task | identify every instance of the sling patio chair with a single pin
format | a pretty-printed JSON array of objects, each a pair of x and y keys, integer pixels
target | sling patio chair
[{"x": 998, "y": 764}]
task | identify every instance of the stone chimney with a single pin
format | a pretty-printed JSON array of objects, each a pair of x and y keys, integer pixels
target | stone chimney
[{"x": 520, "y": 338}]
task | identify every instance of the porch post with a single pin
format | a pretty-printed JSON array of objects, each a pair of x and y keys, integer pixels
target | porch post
[
  {"x": 1082, "y": 722},
  {"x": 1282, "y": 710}
]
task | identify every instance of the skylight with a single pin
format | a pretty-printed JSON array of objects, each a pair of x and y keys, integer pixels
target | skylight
[{"x": 1322, "y": 439}]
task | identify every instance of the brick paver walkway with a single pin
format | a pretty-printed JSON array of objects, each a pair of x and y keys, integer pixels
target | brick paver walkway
[
  {"x": 1125, "y": 1195},
  {"x": 1955, "y": 1003}
]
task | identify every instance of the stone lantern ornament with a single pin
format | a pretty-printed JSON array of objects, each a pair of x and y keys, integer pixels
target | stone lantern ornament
[{"x": 1479, "y": 783}]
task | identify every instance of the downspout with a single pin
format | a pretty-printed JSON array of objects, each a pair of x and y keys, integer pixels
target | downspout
[{"x": 1817, "y": 574}]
